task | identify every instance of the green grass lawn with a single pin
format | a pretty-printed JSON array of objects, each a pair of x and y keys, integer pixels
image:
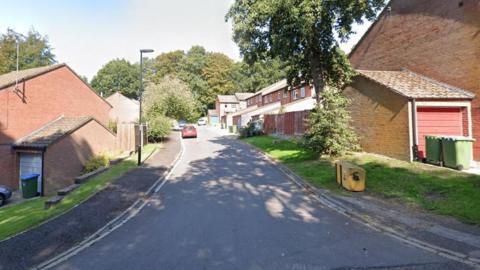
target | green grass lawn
[
  {"x": 20, "y": 217},
  {"x": 437, "y": 189}
]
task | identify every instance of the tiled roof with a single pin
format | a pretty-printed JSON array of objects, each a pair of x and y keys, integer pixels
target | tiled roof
[
  {"x": 227, "y": 99},
  {"x": 243, "y": 96},
  {"x": 52, "y": 132},
  {"x": 10, "y": 78},
  {"x": 413, "y": 85},
  {"x": 274, "y": 87}
]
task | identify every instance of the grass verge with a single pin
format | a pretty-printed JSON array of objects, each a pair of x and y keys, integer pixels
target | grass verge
[
  {"x": 440, "y": 190},
  {"x": 20, "y": 217}
]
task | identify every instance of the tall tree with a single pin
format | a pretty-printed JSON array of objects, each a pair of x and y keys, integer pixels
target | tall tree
[
  {"x": 219, "y": 74},
  {"x": 301, "y": 33},
  {"x": 34, "y": 51},
  {"x": 251, "y": 78},
  {"x": 117, "y": 75},
  {"x": 170, "y": 63}
]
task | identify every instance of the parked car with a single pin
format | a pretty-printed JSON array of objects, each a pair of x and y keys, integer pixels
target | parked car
[
  {"x": 189, "y": 132},
  {"x": 202, "y": 122},
  {"x": 182, "y": 123},
  {"x": 5, "y": 194}
]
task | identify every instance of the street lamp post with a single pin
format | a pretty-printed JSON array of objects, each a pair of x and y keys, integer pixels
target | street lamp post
[{"x": 140, "y": 97}]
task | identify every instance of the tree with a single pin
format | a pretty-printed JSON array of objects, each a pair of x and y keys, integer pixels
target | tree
[
  {"x": 251, "y": 78},
  {"x": 302, "y": 34},
  {"x": 34, "y": 51},
  {"x": 117, "y": 75},
  {"x": 171, "y": 98},
  {"x": 329, "y": 131},
  {"x": 169, "y": 63},
  {"x": 219, "y": 74}
]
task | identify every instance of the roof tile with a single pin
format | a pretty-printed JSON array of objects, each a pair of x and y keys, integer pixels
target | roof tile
[{"x": 414, "y": 85}]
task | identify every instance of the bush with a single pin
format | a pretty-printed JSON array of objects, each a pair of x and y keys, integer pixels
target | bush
[
  {"x": 329, "y": 131},
  {"x": 253, "y": 128},
  {"x": 96, "y": 162},
  {"x": 158, "y": 128},
  {"x": 112, "y": 125}
]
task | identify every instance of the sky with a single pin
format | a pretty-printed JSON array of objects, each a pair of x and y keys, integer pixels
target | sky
[{"x": 86, "y": 34}]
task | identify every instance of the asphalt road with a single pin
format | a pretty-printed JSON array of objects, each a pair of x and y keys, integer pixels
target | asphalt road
[{"x": 226, "y": 208}]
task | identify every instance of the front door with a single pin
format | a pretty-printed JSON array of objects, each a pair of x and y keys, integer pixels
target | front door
[{"x": 31, "y": 163}]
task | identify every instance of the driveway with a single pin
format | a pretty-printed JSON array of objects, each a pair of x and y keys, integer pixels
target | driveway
[{"x": 226, "y": 208}]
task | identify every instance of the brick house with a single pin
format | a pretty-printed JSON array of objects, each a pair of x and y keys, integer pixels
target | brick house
[
  {"x": 431, "y": 42},
  {"x": 225, "y": 105},
  {"x": 51, "y": 122},
  {"x": 277, "y": 98}
]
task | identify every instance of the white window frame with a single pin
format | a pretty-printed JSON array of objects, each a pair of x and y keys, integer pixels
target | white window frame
[
  {"x": 294, "y": 94},
  {"x": 285, "y": 93},
  {"x": 302, "y": 92}
]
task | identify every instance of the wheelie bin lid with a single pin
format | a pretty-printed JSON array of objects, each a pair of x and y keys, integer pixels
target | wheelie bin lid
[
  {"x": 458, "y": 138},
  {"x": 29, "y": 176}
]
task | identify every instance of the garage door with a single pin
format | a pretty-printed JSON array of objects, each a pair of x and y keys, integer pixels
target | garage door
[
  {"x": 213, "y": 120},
  {"x": 437, "y": 121},
  {"x": 31, "y": 163}
]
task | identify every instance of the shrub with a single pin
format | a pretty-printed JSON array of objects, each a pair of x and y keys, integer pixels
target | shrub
[
  {"x": 158, "y": 128},
  {"x": 112, "y": 125},
  {"x": 96, "y": 162},
  {"x": 329, "y": 131},
  {"x": 253, "y": 128}
]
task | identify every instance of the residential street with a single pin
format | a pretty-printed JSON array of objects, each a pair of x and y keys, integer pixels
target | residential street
[{"x": 225, "y": 207}]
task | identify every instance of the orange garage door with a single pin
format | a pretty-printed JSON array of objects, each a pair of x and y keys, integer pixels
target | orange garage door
[{"x": 437, "y": 121}]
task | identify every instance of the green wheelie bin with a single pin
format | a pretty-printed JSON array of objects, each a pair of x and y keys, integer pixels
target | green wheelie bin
[
  {"x": 29, "y": 185},
  {"x": 433, "y": 147},
  {"x": 457, "y": 152}
]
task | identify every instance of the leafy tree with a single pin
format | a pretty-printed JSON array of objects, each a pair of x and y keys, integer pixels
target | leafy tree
[
  {"x": 34, "y": 51},
  {"x": 329, "y": 130},
  {"x": 117, "y": 75},
  {"x": 158, "y": 128},
  {"x": 170, "y": 63},
  {"x": 218, "y": 73},
  {"x": 171, "y": 98},
  {"x": 301, "y": 33},
  {"x": 251, "y": 78}
]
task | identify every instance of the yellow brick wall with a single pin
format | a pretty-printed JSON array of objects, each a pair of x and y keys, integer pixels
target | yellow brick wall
[{"x": 380, "y": 118}]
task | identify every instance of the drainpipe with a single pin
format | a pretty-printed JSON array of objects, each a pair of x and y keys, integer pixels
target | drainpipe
[{"x": 414, "y": 130}]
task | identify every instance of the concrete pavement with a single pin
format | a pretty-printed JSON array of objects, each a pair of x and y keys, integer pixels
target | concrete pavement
[{"x": 224, "y": 207}]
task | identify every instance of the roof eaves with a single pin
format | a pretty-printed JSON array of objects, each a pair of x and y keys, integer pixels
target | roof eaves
[
  {"x": 384, "y": 85},
  {"x": 29, "y": 77}
]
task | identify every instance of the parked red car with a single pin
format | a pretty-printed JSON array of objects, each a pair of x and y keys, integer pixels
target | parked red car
[{"x": 189, "y": 132}]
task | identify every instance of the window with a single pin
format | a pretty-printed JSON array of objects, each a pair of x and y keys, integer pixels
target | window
[
  {"x": 294, "y": 94},
  {"x": 302, "y": 92},
  {"x": 285, "y": 93},
  {"x": 279, "y": 95},
  {"x": 234, "y": 106},
  {"x": 226, "y": 105}
]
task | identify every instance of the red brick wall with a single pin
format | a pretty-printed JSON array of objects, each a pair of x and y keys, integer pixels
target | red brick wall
[
  {"x": 43, "y": 99},
  {"x": 255, "y": 100},
  {"x": 465, "y": 121},
  {"x": 380, "y": 119},
  {"x": 72, "y": 152},
  {"x": 436, "y": 38}
]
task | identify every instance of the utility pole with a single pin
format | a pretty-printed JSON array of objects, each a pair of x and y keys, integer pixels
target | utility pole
[{"x": 140, "y": 97}]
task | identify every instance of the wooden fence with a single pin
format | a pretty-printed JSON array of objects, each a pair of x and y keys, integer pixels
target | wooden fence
[
  {"x": 290, "y": 123},
  {"x": 128, "y": 136}
]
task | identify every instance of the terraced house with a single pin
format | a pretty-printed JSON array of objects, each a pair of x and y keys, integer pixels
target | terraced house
[
  {"x": 274, "y": 102},
  {"x": 419, "y": 74},
  {"x": 51, "y": 122}
]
